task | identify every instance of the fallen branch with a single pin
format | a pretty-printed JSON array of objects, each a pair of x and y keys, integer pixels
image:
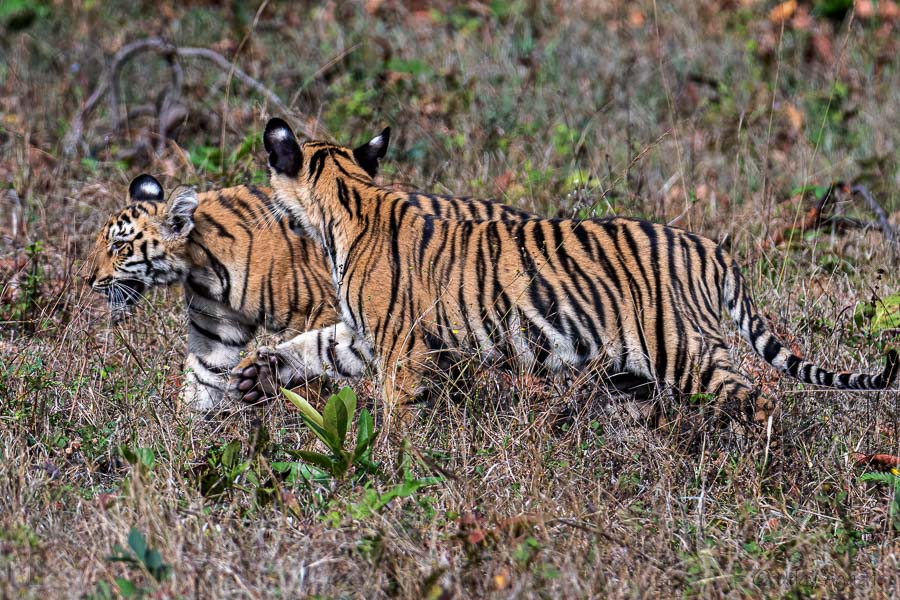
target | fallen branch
[
  {"x": 885, "y": 462},
  {"x": 816, "y": 217},
  {"x": 890, "y": 234},
  {"x": 811, "y": 220},
  {"x": 108, "y": 84}
]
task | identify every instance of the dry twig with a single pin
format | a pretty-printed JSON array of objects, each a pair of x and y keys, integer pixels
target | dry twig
[
  {"x": 890, "y": 234},
  {"x": 108, "y": 84},
  {"x": 816, "y": 217}
]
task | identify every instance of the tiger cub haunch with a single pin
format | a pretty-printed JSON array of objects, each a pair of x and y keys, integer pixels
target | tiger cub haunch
[
  {"x": 243, "y": 267},
  {"x": 644, "y": 298}
]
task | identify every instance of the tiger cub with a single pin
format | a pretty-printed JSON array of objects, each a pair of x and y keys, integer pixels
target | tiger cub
[
  {"x": 243, "y": 266},
  {"x": 641, "y": 298}
]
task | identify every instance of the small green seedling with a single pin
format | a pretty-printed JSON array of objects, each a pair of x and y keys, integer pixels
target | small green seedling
[
  {"x": 332, "y": 428},
  {"x": 892, "y": 480},
  {"x": 138, "y": 556}
]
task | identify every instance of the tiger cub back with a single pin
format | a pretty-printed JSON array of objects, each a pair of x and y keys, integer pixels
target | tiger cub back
[{"x": 643, "y": 298}]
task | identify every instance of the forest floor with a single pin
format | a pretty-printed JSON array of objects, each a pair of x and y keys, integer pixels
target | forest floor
[{"x": 728, "y": 117}]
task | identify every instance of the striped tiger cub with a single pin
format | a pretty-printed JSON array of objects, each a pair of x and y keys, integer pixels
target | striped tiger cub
[
  {"x": 637, "y": 297},
  {"x": 243, "y": 267}
]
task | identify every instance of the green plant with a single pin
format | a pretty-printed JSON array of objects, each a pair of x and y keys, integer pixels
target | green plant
[
  {"x": 142, "y": 458},
  {"x": 892, "y": 480},
  {"x": 18, "y": 15},
  {"x": 232, "y": 166},
  {"x": 878, "y": 315},
  {"x": 331, "y": 428},
  {"x": 30, "y": 282},
  {"x": 228, "y": 469},
  {"x": 139, "y": 557}
]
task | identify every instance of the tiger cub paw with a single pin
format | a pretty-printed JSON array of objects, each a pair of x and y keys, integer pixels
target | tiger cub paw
[{"x": 258, "y": 376}]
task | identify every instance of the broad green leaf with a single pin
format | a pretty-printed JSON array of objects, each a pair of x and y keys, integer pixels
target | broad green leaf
[
  {"x": 365, "y": 428},
  {"x": 328, "y": 438},
  {"x": 296, "y": 470},
  {"x": 306, "y": 409},
  {"x": 146, "y": 457},
  {"x": 230, "y": 454},
  {"x": 153, "y": 560},
  {"x": 103, "y": 591},
  {"x": 336, "y": 420},
  {"x": 405, "y": 489},
  {"x": 251, "y": 476},
  {"x": 311, "y": 473},
  {"x": 137, "y": 543},
  {"x": 126, "y": 588},
  {"x": 888, "y": 478},
  {"x": 360, "y": 453},
  {"x": 348, "y": 397},
  {"x": 326, "y": 463}
]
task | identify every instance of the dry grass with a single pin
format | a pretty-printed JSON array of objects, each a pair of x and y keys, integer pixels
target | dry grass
[{"x": 555, "y": 492}]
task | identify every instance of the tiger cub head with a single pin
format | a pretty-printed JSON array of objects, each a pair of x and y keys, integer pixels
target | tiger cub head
[
  {"x": 143, "y": 245},
  {"x": 297, "y": 170}
]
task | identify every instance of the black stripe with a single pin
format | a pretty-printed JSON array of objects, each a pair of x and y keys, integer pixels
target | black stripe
[{"x": 215, "y": 337}]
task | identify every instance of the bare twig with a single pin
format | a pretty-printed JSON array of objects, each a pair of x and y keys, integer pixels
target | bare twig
[
  {"x": 890, "y": 234},
  {"x": 73, "y": 140},
  {"x": 816, "y": 217}
]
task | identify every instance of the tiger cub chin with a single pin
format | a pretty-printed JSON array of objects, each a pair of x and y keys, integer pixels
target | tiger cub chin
[
  {"x": 243, "y": 266},
  {"x": 641, "y": 298}
]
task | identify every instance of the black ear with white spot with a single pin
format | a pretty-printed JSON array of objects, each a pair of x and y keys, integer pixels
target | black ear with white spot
[
  {"x": 284, "y": 151},
  {"x": 368, "y": 155},
  {"x": 179, "y": 218},
  {"x": 145, "y": 188}
]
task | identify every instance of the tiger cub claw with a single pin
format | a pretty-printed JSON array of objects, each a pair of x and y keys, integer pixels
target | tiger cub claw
[{"x": 255, "y": 378}]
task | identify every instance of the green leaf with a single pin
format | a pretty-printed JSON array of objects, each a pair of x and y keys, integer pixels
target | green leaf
[
  {"x": 887, "y": 478},
  {"x": 103, "y": 591},
  {"x": 365, "y": 428},
  {"x": 146, "y": 457},
  {"x": 361, "y": 449},
  {"x": 404, "y": 490},
  {"x": 137, "y": 543},
  {"x": 126, "y": 588},
  {"x": 153, "y": 560},
  {"x": 328, "y": 438},
  {"x": 336, "y": 420},
  {"x": 413, "y": 67},
  {"x": 887, "y": 314},
  {"x": 348, "y": 397},
  {"x": 306, "y": 409},
  {"x": 230, "y": 454},
  {"x": 326, "y": 463}
]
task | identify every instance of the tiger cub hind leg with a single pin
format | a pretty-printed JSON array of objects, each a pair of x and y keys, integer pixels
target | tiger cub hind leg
[
  {"x": 734, "y": 397},
  {"x": 401, "y": 384}
]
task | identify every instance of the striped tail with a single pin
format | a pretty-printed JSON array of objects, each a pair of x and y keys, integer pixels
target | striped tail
[{"x": 753, "y": 328}]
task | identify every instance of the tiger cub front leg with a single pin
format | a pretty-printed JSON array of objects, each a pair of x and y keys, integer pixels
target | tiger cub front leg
[
  {"x": 333, "y": 351},
  {"x": 213, "y": 350}
]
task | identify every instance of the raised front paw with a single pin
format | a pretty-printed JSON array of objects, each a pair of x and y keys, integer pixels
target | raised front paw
[{"x": 258, "y": 376}]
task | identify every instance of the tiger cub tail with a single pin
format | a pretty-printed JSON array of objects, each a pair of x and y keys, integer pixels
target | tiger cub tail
[{"x": 776, "y": 353}]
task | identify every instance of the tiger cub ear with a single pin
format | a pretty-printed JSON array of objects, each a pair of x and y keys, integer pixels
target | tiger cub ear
[
  {"x": 368, "y": 155},
  {"x": 145, "y": 188},
  {"x": 178, "y": 220},
  {"x": 285, "y": 157}
]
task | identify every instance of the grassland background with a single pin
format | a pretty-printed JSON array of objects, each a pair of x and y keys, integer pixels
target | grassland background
[{"x": 716, "y": 115}]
